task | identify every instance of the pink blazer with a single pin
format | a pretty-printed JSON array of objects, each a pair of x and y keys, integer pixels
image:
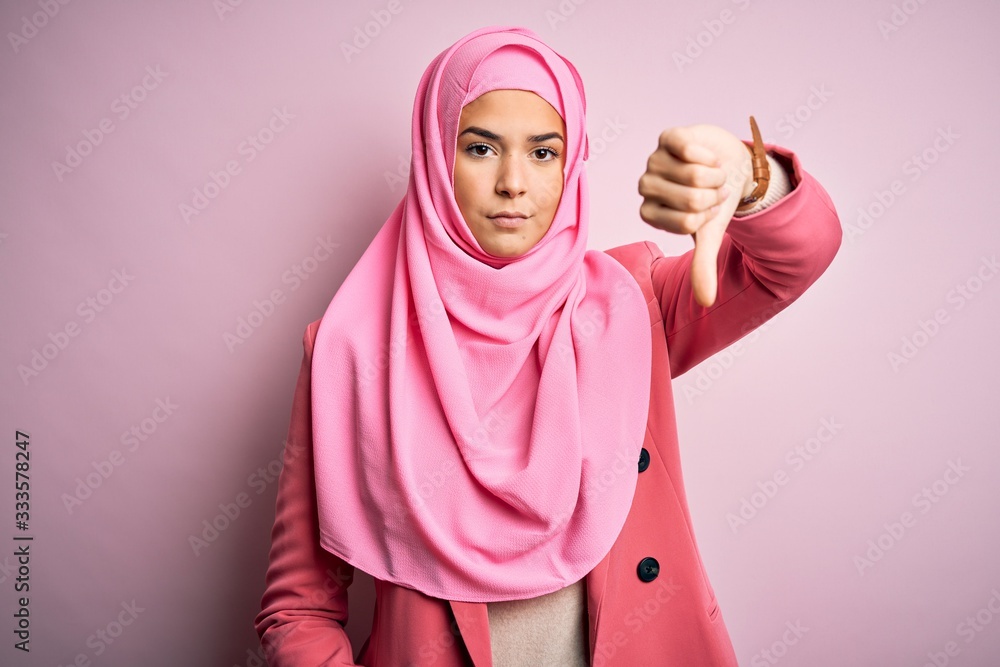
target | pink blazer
[{"x": 649, "y": 601}]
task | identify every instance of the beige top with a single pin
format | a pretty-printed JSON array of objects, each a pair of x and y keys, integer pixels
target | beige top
[{"x": 545, "y": 631}]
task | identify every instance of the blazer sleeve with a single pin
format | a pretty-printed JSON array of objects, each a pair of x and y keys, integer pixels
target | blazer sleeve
[
  {"x": 766, "y": 261},
  {"x": 304, "y": 606}
]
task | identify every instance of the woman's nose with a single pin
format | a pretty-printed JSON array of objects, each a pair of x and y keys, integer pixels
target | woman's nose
[{"x": 511, "y": 180}]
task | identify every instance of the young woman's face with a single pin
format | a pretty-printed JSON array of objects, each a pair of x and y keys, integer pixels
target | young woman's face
[{"x": 509, "y": 159}]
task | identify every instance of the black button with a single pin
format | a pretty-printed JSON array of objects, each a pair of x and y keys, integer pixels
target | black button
[
  {"x": 643, "y": 459},
  {"x": 648, "y": 569}
]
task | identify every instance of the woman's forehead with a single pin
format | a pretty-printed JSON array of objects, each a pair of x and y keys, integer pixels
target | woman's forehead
[{"x": 511, "y": 106}]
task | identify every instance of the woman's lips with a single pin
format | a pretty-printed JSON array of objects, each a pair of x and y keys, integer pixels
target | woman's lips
[{"x": 508, "y": 222}]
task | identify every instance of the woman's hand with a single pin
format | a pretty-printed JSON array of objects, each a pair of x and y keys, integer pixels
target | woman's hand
[{"x": 693, "y": 182}]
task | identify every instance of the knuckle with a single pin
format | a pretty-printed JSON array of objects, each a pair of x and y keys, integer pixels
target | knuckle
[
  {"x": 690, "y": 223},
  {"x": 701, "y": 176},
  {"x": 645, "y": 212},
  {"x": 692, "y": 199}
]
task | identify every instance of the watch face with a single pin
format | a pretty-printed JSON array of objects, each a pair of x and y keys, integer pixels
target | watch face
[{"x": 750, "y": 198}]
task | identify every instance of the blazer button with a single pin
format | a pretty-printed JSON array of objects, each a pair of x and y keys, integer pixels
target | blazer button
[
  {"x": 648, "y": 569},
  {"x": 643, "y": 459}
]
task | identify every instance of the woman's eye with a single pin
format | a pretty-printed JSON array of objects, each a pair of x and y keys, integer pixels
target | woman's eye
[
  {"x": 479, "y": 150},
  {"x": 549, "y": 154}
]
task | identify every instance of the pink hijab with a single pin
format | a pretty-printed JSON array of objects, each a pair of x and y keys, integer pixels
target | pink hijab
[{"x": 477, "y": 420}]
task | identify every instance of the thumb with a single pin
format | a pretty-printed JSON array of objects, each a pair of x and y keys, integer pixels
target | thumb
[
  {"x": 707, "y": 242},
  {"x": 704, "y": 271}
]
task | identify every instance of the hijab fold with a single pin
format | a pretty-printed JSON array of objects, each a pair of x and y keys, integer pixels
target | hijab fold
[{"x": 477, "y": 420}]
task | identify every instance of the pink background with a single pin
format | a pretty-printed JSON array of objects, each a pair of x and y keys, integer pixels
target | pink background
[{"x": 856, "y": 105}]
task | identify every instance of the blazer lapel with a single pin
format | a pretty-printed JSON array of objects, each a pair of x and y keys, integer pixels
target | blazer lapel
[{"x": 474, "y": 624}]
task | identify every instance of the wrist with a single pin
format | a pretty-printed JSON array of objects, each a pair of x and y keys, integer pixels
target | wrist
[
  {"x": 780, "y": 185},
  {"x": 746, "y": 168},
  {"x": 760, "y": 168}
]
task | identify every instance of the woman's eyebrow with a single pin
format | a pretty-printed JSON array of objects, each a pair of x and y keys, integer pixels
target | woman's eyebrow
[
  {"x": 546, "y": 137},
  {"x": 486, "y": 134}
]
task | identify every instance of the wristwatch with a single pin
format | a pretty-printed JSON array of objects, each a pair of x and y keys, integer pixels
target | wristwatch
[{"x": 761, "y": 170}]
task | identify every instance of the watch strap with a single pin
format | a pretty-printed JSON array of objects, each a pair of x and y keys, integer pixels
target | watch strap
[{"x": 761, "y": 170}]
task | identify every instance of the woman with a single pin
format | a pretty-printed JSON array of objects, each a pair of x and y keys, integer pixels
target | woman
[{"x": 483, "y": 419}]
